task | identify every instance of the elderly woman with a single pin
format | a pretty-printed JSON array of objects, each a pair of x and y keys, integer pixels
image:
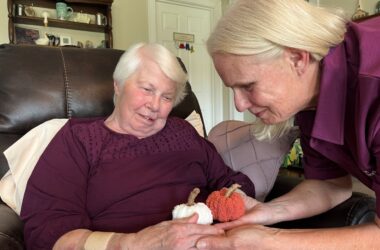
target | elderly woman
[
  {"x": 111, "y": 183},
  {"x": 286, "y": 59}
]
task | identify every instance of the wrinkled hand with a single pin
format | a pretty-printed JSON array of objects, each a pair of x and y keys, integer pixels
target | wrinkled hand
[
  {"x": 244, "y": 237},
  {"x": 175, "y": 234}
]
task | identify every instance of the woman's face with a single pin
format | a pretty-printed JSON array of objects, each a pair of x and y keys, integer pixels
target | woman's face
[
  {"x": 273, "y": 90},
  {"x": 144, "y": 102}
]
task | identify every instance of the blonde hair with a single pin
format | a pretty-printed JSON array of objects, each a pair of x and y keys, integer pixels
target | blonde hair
[
  {"x": 265, "y": 27},
  {"x": 131, "y": 60},
  {"x": 263, "y": 131}
]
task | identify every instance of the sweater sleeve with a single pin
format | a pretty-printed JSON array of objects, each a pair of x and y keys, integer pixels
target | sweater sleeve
[
  {"x": 55, "y": 197},
  {"x": 221, "y": 175}
]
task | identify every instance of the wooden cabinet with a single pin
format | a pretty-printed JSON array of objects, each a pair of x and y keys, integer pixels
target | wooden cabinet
[{"x": 90, "y": 8}]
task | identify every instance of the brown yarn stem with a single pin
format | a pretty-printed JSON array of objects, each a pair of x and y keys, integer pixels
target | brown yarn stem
[
  {"x": 232, "y": 189},
  {"x": 192, "y": 196}
]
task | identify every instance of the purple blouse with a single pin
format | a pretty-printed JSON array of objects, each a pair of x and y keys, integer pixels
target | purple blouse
[
  {"x": 92, "y": 177},
  {"x": 342, "y": 136}
]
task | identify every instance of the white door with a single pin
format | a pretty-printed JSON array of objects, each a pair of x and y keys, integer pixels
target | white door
[{"x": 172, "y": 16}]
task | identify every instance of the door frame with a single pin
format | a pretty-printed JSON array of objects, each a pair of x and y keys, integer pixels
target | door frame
[{"x": 214, "y": 6}]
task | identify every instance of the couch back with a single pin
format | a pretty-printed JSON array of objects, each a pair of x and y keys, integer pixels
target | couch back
[{"x": 38, "y": 83}]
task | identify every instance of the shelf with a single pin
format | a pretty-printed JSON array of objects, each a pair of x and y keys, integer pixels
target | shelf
[
  {"x": 89, "y": 7},
  {"x": 366, "y": 17},
  {"x": 60, "y": 24}
]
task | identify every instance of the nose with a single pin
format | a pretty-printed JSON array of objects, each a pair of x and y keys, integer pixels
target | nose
[
  {"x": 241, "y": 101},
  {"x": 154, "y": 104}
]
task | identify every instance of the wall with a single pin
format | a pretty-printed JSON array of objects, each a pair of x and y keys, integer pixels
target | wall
[
  {"x": 349, "y": 6},
  {"x": 130, "y": 22},
  {"x": 3, "y": 22}
]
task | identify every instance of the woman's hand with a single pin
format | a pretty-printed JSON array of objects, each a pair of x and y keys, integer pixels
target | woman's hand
[
  {"x": 244, "y": 237},
  {"x": 175, "y": 234},
  {"x": 258, "y": 213}
]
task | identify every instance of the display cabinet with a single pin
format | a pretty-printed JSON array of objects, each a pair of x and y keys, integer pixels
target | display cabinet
[{"x": 88, "y": 15}]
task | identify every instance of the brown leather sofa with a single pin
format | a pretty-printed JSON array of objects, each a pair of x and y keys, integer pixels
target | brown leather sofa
[{"x": 40, "y": 83}]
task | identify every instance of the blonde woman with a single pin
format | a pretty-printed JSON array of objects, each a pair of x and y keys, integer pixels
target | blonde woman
[{"x": 289, "y": 59}]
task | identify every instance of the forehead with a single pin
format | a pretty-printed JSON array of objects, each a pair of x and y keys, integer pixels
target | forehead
[
  {"x": 234, "y": 69},
  {"x": 150, "y": 73}
]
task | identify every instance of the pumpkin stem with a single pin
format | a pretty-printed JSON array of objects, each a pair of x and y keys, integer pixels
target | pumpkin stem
[
  {"x": 192, "y": 196},
  {"x": 232, "y": 189}
]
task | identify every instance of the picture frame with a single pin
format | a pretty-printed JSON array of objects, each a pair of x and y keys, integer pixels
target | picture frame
[
  {"x": 65, "y": 40},
  {"x": 26, "y": 35}
]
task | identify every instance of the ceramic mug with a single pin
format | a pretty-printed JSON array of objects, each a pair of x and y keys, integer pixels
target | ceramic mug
[
  {"x": 101, "y": 19},
  {"x": 63, "y": 11}
]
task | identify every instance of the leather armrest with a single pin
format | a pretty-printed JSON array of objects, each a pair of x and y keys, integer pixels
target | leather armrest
[
  {"x": 11, "y": 229},
  {"x": 359, "y": 208}
]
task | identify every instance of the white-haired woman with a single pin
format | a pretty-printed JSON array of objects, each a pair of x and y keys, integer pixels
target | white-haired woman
[
  {"x": 286, "y": 59},
  {"x": 112, "y": 182}
]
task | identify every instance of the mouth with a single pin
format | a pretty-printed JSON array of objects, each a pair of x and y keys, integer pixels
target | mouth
[
  {"x": 259, "y": 114},
  {"x": 147, "y": 118}
]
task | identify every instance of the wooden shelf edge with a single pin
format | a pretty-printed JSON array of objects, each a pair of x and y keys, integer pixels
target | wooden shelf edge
[{"x": 61, "y": 24}]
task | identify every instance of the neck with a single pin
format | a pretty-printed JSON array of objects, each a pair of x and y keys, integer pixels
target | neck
[{"x": 313, "y": 81}]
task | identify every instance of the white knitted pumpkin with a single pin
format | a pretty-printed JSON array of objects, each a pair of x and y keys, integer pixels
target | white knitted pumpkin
[{"x": 186, "y": 210}]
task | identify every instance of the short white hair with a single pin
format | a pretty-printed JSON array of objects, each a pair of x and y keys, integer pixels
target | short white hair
[{"x": 131, "y": 60}]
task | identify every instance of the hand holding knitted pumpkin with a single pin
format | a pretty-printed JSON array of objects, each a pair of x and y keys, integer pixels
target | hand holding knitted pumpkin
[
  {"x": 188, "y": 209},
  {"x": 226, "y": 204}
]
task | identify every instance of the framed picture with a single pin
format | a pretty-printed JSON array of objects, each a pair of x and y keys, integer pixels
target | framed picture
[
  {"x": 26, "y": 36},
  {"x": 65, "y": 40}
]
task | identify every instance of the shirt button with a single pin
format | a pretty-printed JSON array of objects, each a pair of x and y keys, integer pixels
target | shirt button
[{"x": 370, "y": 173}]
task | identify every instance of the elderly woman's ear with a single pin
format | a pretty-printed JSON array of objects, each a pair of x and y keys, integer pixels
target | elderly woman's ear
[
  {"x": 299, "y": 59},
  {"x": 116, "y": 88}
]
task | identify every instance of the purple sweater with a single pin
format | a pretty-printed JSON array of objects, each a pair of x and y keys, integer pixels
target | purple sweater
[{"x": 94, "y": 178}]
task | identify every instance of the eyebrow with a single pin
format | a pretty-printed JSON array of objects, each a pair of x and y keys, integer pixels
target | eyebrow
[{"x": 242, "y": 84}]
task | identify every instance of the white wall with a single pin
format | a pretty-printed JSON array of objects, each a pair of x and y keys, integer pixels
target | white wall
[
  {"x": 349, "y": 6},
  {"x": 130, "y": 22},
  {"x": 3, "y": 22}
]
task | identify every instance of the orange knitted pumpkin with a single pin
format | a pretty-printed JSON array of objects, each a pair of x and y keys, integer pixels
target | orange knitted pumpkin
[{"x": 226, "y": 204}]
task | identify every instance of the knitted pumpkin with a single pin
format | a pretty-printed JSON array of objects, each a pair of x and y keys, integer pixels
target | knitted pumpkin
[
  {"x": 186, "y": 210},
  {"x": 226, "y": 204}
]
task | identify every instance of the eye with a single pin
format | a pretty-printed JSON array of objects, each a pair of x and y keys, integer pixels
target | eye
[
  {"x": 168, "y": 98},
  {"x": 248, "y": 87},
  {"x": 146, "y": 89}
]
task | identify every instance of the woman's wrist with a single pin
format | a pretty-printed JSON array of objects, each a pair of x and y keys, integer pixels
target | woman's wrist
[
  {"x": 98, "y": 241},
  {"x": 121, "y": 241}
]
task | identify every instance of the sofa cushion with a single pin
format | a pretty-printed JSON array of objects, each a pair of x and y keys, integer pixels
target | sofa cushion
[
  {"x": 259, "y": 160},
  {"x": 40, "y": 83}
]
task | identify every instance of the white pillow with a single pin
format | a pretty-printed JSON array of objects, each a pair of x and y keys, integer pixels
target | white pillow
[
  {"x": 22, "y": 157},
  {"x": 195, "y": 119}
]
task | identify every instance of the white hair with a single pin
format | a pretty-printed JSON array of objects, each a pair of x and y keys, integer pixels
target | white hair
[{"x": 131, "y": 60}]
